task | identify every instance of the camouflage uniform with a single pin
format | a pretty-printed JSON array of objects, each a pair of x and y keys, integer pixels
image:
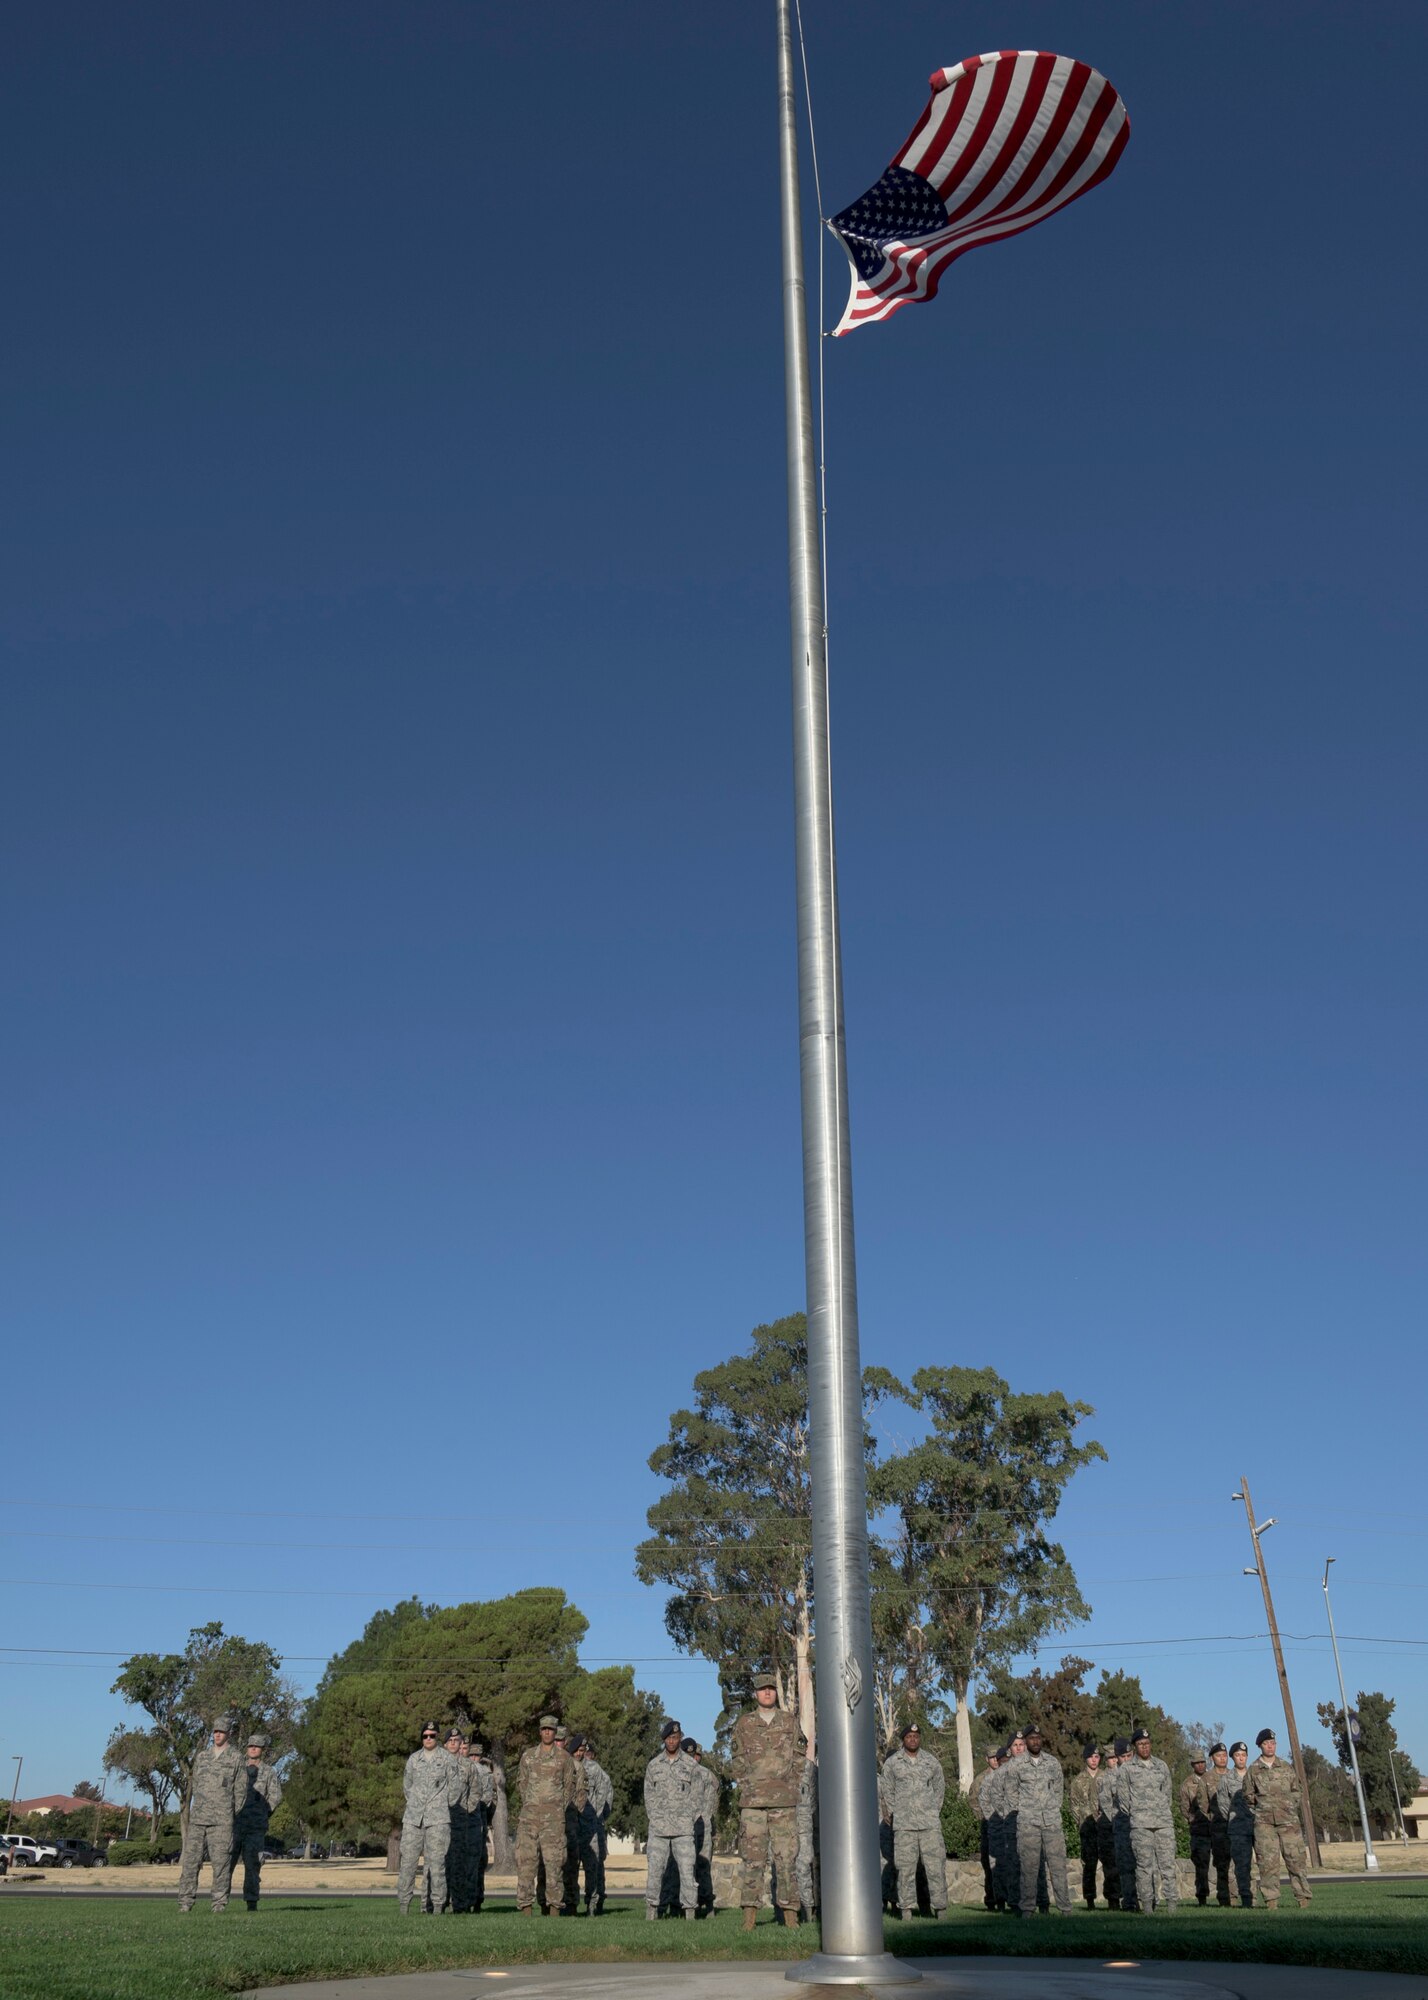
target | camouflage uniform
[
  {"x": 218, "y": 1791},
  {"x": 1195, "y": 1805},
  {"x": 547, "y": 1780},
  {"x": 993, "y": 1798},
  {"x": 671, "y": 1786},
  {"x": 806, "y": 1866},
  {"x": 705, "y": 1818},
  {"x": 765, "y": 1755},
  {"x": 1121, "y": 1834},
  {"x": 1084, "y": 1794},
  {"x": 1036, "y": 1786},
  {"x": 911, "y": 1790},
  {"x": 1143, "y": 1787},
  {"x": 428, "y": 1784},
  {"x": 263, "y": 1796},
  {"x": 465, "y": 1867},
  {"x": 593, "y": 1812},
  {"x": 974, "y": 1799},
  {"x": 1273, "y": 1794},
  {"x": 483, "y": 1789},
  {"x": 1241, "y": 1835},
  {"x": 1217, "y": 1805},
  {"x": 1106, "y": 1833}
]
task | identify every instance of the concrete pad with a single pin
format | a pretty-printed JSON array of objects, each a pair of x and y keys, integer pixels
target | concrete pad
[{"x": 975, "y": 1978}]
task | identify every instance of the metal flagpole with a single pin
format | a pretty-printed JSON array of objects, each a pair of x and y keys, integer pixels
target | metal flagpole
[
  {"x": 849, "y": 1854},
  {"x": 1370, "y": 1858}
]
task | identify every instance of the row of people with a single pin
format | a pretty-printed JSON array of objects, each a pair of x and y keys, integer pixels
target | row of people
[{"x": 230, "y": 1801}]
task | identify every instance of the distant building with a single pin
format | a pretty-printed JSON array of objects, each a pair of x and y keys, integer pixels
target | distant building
[
  {"x": 61, "y": 1802},
  {"x": 1415, "y": 1815}
]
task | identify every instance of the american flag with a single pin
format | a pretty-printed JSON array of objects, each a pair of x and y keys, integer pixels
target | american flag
[{"x": 1006, "y": 140}]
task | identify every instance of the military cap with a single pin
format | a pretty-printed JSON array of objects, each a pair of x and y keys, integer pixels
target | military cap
[
  {"x": 561, "y": 1732},
  {"x": 478, "y": 1745},
  {"x": 1265, "y": 1736},
  {"x": 1141, "y": 1735},
  {"x": 1030, "y": 1729},
  {"x": 911, "y": 1728},
  {"x": 549, "y": 1722},
  {"x": 1198, "y": 1756},
  {"x": 457, "y": 1733},
  {"x": 1216, "y": 1749},
  {"x": 1004, "y": 1753},
  {"x": 1091, "y": 1750},
  {"x": 1120, "y": 1746},
  {"x": 669, "y": 1727},
  {"x": 259, "y": 1742},
  {"x": 223, "y": 1722},
  {"x": 690, "y": 1747},
  {"x": 1239, "y": 1746},
  {"x": 431, "y": 1728},
  {"x": 575, "y": 1742},
  {"x": 765, "y": 1681}
]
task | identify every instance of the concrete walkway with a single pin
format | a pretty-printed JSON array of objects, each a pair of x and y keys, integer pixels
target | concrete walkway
[{"x": 942, "y": 1979}]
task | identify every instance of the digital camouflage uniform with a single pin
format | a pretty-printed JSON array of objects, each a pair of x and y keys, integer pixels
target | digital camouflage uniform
[
  {"x": 1273, "y": 1794},
  {"x": 993, "y": 1797},
  {"x": 1195, "y": 1806},
  {"x": 1085, "y": 1799},
  {"x": 705, "y": 1819},
  {"x": 910, "y": 1791},
  {"x": 547, "y": 1780},
  {"x": 1217, "y": 1805},
  {"x": 1241, "y": 1836},
  {"x": 974, "y": 1799},
  {"x": 765, "y": 1754},
  {"x": 263, "y": 1794},
  {"x": 1143, "y": 1787},
  {"x": 807, "y": 1823},
  {"x": 1121, "y": 1834},
  {"x": 218, "y": 1790},
  {"x": 671, "y": 1784},
  {"x": 592, "y": 1814},
  {"x": 428, "y": 1784},
  {"x": 1036, "y": 1786},
  {"x": 1106, "y": 1831}
]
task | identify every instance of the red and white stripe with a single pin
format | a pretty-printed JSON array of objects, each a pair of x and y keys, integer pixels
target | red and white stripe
[{"x": 1006, "y": 140}]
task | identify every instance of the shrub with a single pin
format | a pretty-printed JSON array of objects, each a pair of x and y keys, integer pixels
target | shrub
[
  {"x": 126, "y": 1853},
  {"x": 961, "y": 1829}
]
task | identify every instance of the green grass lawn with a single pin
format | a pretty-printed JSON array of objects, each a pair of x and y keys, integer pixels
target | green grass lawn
[{"x": 70, "y": 1948}]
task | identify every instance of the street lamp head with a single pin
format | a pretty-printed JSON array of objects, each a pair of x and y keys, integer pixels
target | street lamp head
[
  {"x": 1251, "y": 1572},
  {"x": 1237, "y": 1495},
  {"x": 1265, "y": 1526}
]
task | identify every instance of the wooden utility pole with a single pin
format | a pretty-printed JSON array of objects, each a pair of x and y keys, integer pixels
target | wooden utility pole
[{"x": 1311, "y": 1838}]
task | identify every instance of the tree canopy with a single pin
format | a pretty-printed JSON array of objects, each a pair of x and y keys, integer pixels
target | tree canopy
[
  {"x": 494, "y": 1667},
  {"x": 1380, "y": 1759}
]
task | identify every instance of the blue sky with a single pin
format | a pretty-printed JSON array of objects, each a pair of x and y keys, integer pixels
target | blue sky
[{"x": 400, "y": 1053}]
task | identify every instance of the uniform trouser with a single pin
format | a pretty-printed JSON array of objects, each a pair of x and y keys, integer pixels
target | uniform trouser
[
  {"x": 1011, "y": 1860},
  {"x": 478, "y": 1867},
  {"x": 1090, "y": 1858},
  {"x": 540, "y": 1839},
  {"x": 570, "y": 1874},
  {"x": 248, "y": 1842},
  {"x": 586, "y": 1862},
  {"x": 430, "y": 1841},
  {"x": 703, "y": 1862},
  {"x": 1038, "y": 1848},
  {"x": 206, "y": 1843},
  {"x": 912, "y": 1844},
  {"x": 1200, "y": 1850},
  {"x": 989, "y": 1890},
  {"x": 1154, "y": 1851},
  {"x": 660, "y": 1850},
  {"x": 1242, "y": 1854},
  {"x": 889, "y": 1874},
  {"x": 1125, "y": 1864},
  {"x": 1275, "y": 1845},
  {"x": 1220, "y": 1855},
  {"x": 768, "y": 1833},
  {"x": 807, "y": 1861},
  {"x": 1110, "y": 1873}
]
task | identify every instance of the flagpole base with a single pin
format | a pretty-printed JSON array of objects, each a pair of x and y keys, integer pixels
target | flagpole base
[{"x": 861, "y": 1968}]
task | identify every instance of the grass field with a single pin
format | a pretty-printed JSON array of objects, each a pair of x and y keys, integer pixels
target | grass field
[{"x": 63, "y": 1948}]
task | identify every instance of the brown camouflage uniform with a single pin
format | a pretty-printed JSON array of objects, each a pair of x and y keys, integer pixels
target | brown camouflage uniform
[
  {"x": 547, "y": 1780},
  {"x": 1195, "y": 1806},
  {"x": 1084, "y": 1797},
  {"x": 766, "y": 1758},
  {"x": 1272, "y": 1791}
]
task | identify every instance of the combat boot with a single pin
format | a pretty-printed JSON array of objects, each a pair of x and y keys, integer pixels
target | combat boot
[
  {"x": 523, "y": 1910},
  {"x": 750, "y": 1918},
  {"x": 790, "y": 1920}
]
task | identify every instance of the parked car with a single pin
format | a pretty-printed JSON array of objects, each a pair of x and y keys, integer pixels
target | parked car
[
  {"x": 27, "y": 1852},
  {"x": 80, "y": 1854}
]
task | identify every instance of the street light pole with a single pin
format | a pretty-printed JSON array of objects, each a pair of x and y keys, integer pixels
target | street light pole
[
  {"x": 1370, "y": 1858},
  {"x": 19, "y": 1764},
  {"x": 1311, "y": 1838}
]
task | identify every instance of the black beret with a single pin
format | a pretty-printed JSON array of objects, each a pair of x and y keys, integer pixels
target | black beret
[{"x": 1265, "y": 1736}]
